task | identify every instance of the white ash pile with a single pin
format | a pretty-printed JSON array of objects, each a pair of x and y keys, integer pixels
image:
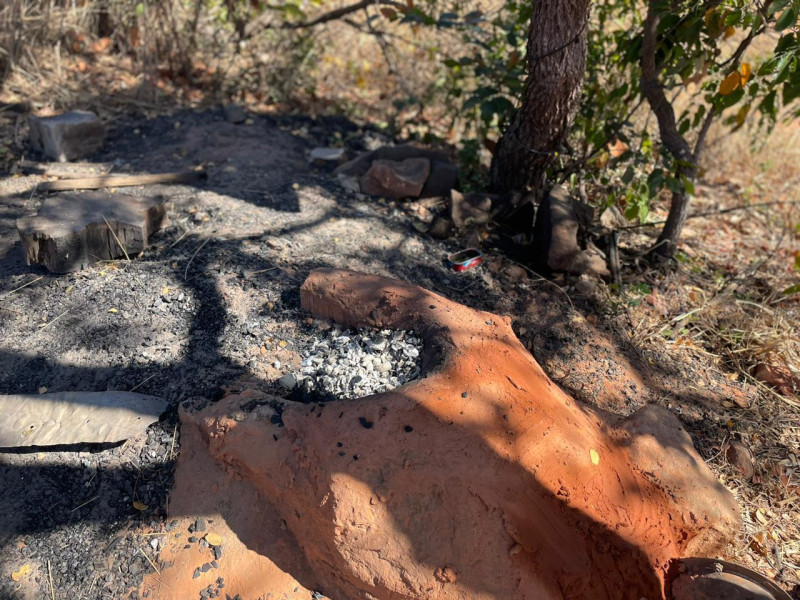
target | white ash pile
[{"x": 346, "y": 364}]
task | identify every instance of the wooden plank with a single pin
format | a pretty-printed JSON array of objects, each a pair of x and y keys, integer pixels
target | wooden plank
[{"x": 97, "y": 182}]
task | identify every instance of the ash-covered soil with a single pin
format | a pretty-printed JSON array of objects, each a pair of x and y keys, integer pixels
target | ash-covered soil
[{"x": 215, "y": 300}]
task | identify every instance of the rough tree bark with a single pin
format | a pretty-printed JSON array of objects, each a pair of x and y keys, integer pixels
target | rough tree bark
[{"x": 556, "y": 64}]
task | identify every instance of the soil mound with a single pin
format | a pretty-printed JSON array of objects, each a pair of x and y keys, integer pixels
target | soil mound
[{"x": 482, "y": 480}]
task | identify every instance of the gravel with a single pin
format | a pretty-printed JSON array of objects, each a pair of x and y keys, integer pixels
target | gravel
[{"x": 347, "y": 364}]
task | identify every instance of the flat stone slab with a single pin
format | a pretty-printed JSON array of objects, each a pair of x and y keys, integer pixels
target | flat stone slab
[
  {"x": 64, "y": 418},
  {"x": 72, "y": 231},
  {"x": 74, "y": 134}
]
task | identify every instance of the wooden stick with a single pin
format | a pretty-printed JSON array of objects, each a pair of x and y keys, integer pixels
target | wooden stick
[{"x": 106, "y": 181}]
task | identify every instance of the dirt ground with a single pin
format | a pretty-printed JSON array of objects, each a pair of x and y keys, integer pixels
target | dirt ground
[{"x": 214, "y": 301}]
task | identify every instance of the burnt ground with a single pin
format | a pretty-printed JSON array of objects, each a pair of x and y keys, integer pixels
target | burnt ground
[{"x": 215, "y": 300}]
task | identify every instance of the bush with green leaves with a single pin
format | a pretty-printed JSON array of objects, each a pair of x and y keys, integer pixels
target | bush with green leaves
[{"x": 701, "y": 59}]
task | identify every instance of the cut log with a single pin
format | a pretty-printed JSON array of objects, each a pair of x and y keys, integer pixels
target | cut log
[
  {"x": 73, "y": 231},
  {"x": 96, "y": 182}
]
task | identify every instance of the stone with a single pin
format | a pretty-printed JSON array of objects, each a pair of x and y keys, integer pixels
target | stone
[
  {"x": 73, "y": 231},
  {"x": 591, "y": 262},
  {"x": 396, "y": 179},
  {"x": 585, "y": 285},
  {"x": 65, "y": 137},
  {"x": 441, "y": 227},
  {"x": 741, "y": 459},
  {"x": 516, "y": 491},
  {"x": 288, "y": 381},
  {"x": 326, "y": 155},
  {"x": 781, "y": 378},
  {"x": 555, "y": 236},
  {"x": 469, "y": 209},
  {"x": 361, "y": 164},
  {"x": 442, "y": 179},
  {"x": 63, "y": 418},
  {"x": 235, "y": 114}
]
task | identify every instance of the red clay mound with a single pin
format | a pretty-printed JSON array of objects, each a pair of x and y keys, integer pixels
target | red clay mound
[{"x": 481, "y": 481}]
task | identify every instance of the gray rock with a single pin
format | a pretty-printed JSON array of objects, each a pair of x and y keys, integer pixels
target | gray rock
[
  {"x": 235, "y": 114},
  {"x": 326, "y": 155},
  {"x": 396, "y": 179},
  {"x": 65, "y": 137},
  {"x": 288, "y": 381}
]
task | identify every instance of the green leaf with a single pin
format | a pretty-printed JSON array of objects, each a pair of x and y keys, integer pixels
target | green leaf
[
  {"x": 792, "y": 289},
  {"x": 787, "y": 19}
]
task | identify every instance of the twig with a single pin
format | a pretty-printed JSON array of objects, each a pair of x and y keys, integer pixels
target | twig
[
  {"x": 116, "y": 239},
  {"x": 186, "y": 271},
  {"x": 713, "y": 213},
  {"x": 141, "y": 383},
  {"x": 50, "y": 577},
  {"x": 20, "y": 287},
  {"x": 107, "y": 181},
  {"x": 90, "y": 500},
  {"x": 546, "y": 280},
  {"x": 183, "y": 235},
  {"x": 150, "y": 561},
  {"x": 41, "y": 327},
  {"x": 172, "y": 446}
]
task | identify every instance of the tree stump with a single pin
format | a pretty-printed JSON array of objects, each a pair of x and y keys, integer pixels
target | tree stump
[{"x": 72, "y": 231}]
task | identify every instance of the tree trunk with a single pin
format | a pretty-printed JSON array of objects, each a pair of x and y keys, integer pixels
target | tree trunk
[
  {"x": 556, "y": 64},
  {"x": 677, "y": 145}
]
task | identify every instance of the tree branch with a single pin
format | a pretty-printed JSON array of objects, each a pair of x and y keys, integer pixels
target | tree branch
[
  {"x": 343, "y": 12},
  {"x": 654, "y": 92}
]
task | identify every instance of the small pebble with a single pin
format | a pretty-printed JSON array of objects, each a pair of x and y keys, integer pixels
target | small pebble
[
  {"x": 196, "y": 574},
  {"x": 205, "y": 568}
]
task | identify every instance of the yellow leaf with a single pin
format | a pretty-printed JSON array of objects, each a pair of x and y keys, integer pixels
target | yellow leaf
[
  {"x": 282, "y": 344},
  {"x": 23, "y": 570},
  {"x": 69, "y": 289},
  {"x": 213, "y": 539},
  {"x": 164, "y": 291},
  {"x": 730, "y": 84},
  {"x": 113, "y": 310},
  {"x": 42, "y": 390},
  {"x": 594, "y": 456},
  {"x": 761, "y": 516},
  {"x": 140, "y": 505},
  {"x": 745, "y": 72},
  {"x": 730, "y": 31},
  {"x": 742, "y": 114}
]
